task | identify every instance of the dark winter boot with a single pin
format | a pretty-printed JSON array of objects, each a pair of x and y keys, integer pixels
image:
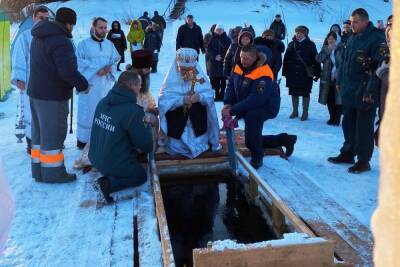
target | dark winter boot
[
  {"x": 342, "y": 158},
  {"x": 359, "y": 167},
  {"x": 306, "y": 105},
  {"x": 103, "y": 184},
  {"x": 295, "y": 104},
  {"x": 289, "y": 142},
  {"x": 256, "y": 163},
  {"x": 338, "y": 116}
]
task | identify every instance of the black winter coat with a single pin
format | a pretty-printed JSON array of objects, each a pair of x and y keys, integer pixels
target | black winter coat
[
  {"x": 160, "y": 21},
  {"x": 218, "y": 45},
  {"x": 144, "y": 20},
  {"x": 152, "y": 42},
  {"x": 279, "y": 29},
  {"x": 190, "y": 37},
  {"x": 117, "y": 37},
  {"x": 54, "y": 69},
  {"x": 295, "y": 71},
  {"x": 277, "y": 48},
  {"x": 232, "y": 56},
  {"x": 354, "y": 81}
]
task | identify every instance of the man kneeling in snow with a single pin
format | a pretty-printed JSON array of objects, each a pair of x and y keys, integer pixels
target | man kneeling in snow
[{"x": 120, "y": 131}]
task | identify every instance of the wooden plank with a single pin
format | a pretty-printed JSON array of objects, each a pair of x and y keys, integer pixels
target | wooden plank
[
  {"x": 276, "y": 199},
  {"x": 168, "y": 256},
  {"x": 203, "y": 161},
  {"x": 316, "y": 254},
  {"x": 180, "y": 172},
  {"x": 324, "y": 216}
]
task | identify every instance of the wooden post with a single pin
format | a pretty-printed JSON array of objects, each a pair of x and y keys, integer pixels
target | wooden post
[
  {"x": 253, "y": 188},
  {"x": 278, "y": 220},
  {"x": 230, "y": 137}
]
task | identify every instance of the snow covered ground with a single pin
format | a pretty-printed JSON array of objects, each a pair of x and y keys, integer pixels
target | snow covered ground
[{"x": 50, "y": 226}]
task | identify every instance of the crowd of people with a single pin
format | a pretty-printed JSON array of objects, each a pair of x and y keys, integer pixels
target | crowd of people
[{"x": 118, "y": 118}]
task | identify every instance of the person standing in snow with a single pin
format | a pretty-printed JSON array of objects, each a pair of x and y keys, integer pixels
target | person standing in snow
[
  {"x": 20, "y": 69},
  {"x": 330, "y": 57},
  {"x": 300, "y": 69},
  {"x": 346, "y": 31},
  {"x": 160, "y": 21},
  {"x": 232, "y": 56},
  {"x": 216, "y": 51},
  {"x": 153, "y": 42},
  {"x": 117, "y": 37},
  {"x": 120, "y": 132},
  {"x": 53, "y": 75},
  {"x": 97, "y": 61},
  {"x": 207, "y": 37},
  {"x": 144, "y": 20},
  {"x": 276, "y": 46},
  {"x": 135, "y": 36},
  {"x": 336, "y": 29},
  {"x": 278, "y": 27},
  {"x": 359, "y": 87},
  {"x": 190, "y": 36}
]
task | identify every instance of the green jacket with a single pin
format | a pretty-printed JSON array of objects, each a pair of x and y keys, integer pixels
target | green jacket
[
  {"x": 118, "y": 132},
  {"x": 355, "y": 82}
]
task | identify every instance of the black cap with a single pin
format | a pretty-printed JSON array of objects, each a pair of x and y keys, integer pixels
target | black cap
[
  {"x": 189, "y": 16},
  {"x": 66, "y": 15},
  {"x": 277, "y": 16},
  {"x": 347, "y": 22}
]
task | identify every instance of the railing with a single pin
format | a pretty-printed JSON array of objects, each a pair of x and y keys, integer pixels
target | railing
[{"x": 169, "y": 7}]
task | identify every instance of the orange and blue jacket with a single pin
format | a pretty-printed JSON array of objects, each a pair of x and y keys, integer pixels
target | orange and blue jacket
[{"x": 252, "y": 89}]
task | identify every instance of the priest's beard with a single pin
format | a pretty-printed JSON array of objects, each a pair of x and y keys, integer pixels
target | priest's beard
[{"x": 98, "y": 35}]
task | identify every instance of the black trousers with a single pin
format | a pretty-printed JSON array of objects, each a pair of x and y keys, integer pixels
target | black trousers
[
  {"x": 334, "y": 110},
  {"x": 254, "y": 122},
  {"x": 358, "y": 131},
  {"x": 219, "y": 85}
]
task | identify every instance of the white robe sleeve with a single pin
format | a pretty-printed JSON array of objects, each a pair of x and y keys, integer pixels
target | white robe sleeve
[
  {"x": 85, "y": 66},
  {"x": 115, "y": 58},
  {"x": 20, "y": 59}
]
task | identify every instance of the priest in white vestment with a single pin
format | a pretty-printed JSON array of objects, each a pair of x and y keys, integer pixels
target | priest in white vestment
[
  {"x": 97, "y": 61},
  {"x": 188, "y": 118}
]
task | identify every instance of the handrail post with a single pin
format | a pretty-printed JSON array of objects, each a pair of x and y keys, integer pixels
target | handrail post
[{"x": 230, "y": 137}]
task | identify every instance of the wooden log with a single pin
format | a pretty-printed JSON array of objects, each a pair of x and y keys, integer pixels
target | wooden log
[
  {"x": 168, "y": 256},
  {"x": 316, "y": 254}
]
